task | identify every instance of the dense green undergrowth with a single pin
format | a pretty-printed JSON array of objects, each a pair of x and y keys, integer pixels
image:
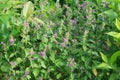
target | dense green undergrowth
[{"x": 59, "y": 40}]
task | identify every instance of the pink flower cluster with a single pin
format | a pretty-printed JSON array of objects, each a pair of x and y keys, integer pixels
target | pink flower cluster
[{"x": 65, "y": 40}]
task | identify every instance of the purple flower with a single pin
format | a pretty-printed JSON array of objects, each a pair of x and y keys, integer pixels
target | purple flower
[
  {"x": 93, "y": 10},
  {"x": 48, "y": 26},
  {"x": 71, "y": 62},
  {"x": 84, "y": 4},
  {"x": 81, "y": 5},
  {"x": 73, "y": 40},
  {"x": 42, "y": 53},
  {"x": 63, "y": 45},
  {"x": 26, "y": 24},
  {"x": 67, "y": 9},
  {"x": 26, "y": 73},
  {"x": 65, "y": 40},
  {"x": 55, "y": 35},
  {"x": 12, "y": 40},
  {"x": 46, "y": 1},
  {"x": 32, "y": 52},
  {"x": 40, "y": 78},
  {"x": 13, "y": 64},
  {"x": 87, "y": 17},
  {"x": 37, "y": 27},
  {"x": 74, "y": 22}
]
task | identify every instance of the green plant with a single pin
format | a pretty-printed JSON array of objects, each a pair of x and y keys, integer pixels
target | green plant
[
  {"x": 110, "y": 64},
  {"x": 116, "y": 35},
  {"x": 57, "y": 40}
]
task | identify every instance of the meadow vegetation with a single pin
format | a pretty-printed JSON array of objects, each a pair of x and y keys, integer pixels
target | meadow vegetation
[{"x": 59, "y": 40}]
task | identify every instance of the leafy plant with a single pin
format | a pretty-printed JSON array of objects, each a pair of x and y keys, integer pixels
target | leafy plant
[
  {"x": 111, "y": 63},
  {"x": 58, "y": 40},
  {"x": 115, "y": 35}
]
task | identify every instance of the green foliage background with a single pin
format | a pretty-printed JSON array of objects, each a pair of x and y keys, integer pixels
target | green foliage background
[{"x": 61, "y": 40}]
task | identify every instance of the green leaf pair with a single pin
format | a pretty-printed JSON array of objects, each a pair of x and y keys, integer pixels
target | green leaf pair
[
  {"x": 115, "y": 35},
  {"x": 108, "y": 62}
]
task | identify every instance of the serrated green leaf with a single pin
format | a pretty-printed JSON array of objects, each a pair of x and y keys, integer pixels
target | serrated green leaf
[
  {"x": 28, "y": 77},
  {"x": 27, "y": 52},
  {"x": 84, "y": 47},
  {"x": 33, "y": 64},
  {"x": 52, "y": 58},
  {"x": 36, "y": 72},
  {"x": 58, "y": 76},
  {"x": 114, "y": 34},
  {"x": 114, "y": 57},
  {"x": 28, "y": 9},
  {"x": 43, "y": 64},
  {"x": 18, "y": 61},
  {"x": 5, "y": 67},
  {"x": 117, "y": 24},
  {"x": 112, "y": 76},
  {"x": 45, "y": 39},
  {"x": 12, "y": 78},
  {"x": 104, "y": 66},
  {"x": 111, "y": 13},
  {"x": 104, "y": 57},
  {"x": 27, "y": 69}
]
